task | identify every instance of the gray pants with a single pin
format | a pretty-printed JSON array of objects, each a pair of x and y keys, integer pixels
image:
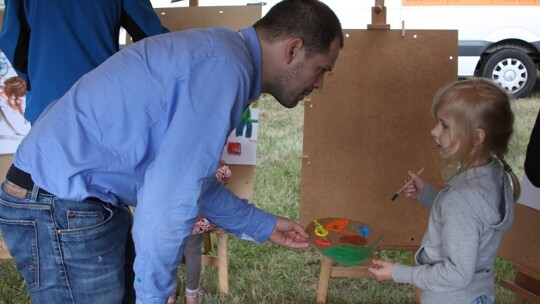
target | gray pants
[{"x": 192, "y": 255}]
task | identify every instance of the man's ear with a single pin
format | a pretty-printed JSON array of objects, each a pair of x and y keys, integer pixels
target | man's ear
[
  {"x": 480, "y": 136},
  {"x": 293, "y": 48}
]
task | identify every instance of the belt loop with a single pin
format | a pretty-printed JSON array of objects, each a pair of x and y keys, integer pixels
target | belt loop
[{"x": 34, "y": 195}]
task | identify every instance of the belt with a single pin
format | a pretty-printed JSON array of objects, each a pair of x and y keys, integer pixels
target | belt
[{"x": 18, "y": 183}]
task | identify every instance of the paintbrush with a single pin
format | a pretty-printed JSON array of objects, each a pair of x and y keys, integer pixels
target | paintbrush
[{"x": 405, "y": 186}]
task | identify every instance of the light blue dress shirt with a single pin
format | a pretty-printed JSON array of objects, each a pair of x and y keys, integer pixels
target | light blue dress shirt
[{"x": 147, "y": 128}]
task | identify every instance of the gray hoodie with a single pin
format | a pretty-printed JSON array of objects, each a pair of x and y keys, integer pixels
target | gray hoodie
[{"x": 455, "y": 263}]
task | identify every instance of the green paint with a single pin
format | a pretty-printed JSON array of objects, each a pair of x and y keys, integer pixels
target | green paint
[{"x": 349, "y": 255}]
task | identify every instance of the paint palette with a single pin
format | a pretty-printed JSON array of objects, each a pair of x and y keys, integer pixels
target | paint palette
[{"x": 343, "y": 240}]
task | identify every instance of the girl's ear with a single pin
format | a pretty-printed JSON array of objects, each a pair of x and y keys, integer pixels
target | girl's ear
[{"x": 480, "y": 136}]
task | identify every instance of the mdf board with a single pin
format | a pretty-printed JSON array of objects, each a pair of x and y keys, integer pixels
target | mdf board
[
  {"x": 231, "y": 17},
  {"x": 521, "y": 245},
  {"x": 370, "y": 124},
  {"x": 5, "y": 162}
]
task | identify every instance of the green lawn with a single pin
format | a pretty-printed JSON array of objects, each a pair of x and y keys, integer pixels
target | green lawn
[{"x": 270, "y": 274}]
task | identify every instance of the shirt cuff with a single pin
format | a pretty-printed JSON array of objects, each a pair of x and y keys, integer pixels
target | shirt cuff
[
  {"x": 402, "y": 273},
  {"x": 260, "y": 228}
]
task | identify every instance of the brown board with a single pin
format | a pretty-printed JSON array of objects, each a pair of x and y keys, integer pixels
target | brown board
[
  {"x": 370, "y": 124},
  {"x": 522, "y": 244},
  {"x": 231, "y": 17}
]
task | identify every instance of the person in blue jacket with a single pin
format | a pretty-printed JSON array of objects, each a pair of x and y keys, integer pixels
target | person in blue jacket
[
  {"x": 51, "y": 44},
  {"x": 147, "y": 129}
]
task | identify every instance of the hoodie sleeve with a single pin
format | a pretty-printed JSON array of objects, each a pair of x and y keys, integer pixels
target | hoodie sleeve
[
  {"x": 461, "y": 230},
  {"x": 427, "y": 196}
]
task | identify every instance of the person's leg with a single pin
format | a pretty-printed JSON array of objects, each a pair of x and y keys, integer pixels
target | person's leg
[
  {"x": 193, "y": 256},
  {"x": 66, "y": 251},
  {"x": 129, "y": 273}
]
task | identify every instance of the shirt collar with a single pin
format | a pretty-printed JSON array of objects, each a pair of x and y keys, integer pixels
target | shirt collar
[{"x": 254, "y": 47}]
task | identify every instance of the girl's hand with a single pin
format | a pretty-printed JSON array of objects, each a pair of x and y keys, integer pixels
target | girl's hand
[
  {"x": 382, "y": 270},
  {"x": 413, "y": 189}
]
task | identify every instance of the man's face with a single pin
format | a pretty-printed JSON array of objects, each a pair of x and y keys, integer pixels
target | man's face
[{"x": 302, "y": 76}]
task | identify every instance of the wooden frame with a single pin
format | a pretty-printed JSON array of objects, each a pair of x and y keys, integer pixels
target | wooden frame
[{"x": 220, "y": 260}]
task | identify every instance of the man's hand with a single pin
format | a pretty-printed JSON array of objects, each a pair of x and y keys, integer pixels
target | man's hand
[{"x": 289, "y": 234}]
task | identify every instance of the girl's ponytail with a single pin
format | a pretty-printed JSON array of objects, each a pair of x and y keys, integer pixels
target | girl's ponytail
[{"x": 514, "y": 182}]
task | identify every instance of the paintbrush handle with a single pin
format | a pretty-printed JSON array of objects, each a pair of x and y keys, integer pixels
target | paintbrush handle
[{"x": 406, "y": 185}]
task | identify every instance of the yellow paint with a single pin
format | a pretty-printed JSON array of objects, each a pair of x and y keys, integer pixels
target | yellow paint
[{"x": 319, "y": 229}]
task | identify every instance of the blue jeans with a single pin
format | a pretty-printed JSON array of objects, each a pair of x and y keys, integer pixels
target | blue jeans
[
  {"x": 67, "y": 251},
  {"x": 483, "y": 300}
]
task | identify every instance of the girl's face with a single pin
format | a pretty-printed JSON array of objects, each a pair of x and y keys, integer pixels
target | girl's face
[{"x": 442, "y": 135}]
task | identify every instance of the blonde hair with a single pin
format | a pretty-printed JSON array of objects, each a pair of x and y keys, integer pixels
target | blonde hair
[{"x": 472, "y": 104}]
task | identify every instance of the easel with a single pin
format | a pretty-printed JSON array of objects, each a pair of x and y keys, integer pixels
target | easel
[
  {"x": 360, "y": 126},
  {"x": 526, "y": 285},
  {"x": 4, "y": 253},
  {"x": 521, "y": 246},
  {"x": 378, "y": 22},
  {"x": 241, "y": 183},
  {"x": 220, "y": 260},
  {"x": 328, "y": 271}
]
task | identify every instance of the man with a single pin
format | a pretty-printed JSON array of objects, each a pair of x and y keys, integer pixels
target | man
[
  {"x": 52, "y": 44},
  {"x": 147, "y": 128}
]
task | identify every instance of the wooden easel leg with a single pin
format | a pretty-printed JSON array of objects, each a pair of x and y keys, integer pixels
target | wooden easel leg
[
  {"x": 223, "y": 263},
  {"x": 519, "y": 299},
  {"x": 324, "y": 278},
  {"x": 526, "y": 285}
]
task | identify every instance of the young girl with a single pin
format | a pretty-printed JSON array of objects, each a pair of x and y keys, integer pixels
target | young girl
[
  {"x": 192, "y": 252},
  {"x": 455, "y": 263}
]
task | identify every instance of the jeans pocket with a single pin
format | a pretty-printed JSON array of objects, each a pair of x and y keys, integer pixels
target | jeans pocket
[
  {"x": 80, "y": 216},
  {"x": 21, "y": 240},
  {"x": 85, "y": 219}
]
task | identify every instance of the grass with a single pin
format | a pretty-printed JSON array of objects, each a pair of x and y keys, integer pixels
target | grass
[{"x": 269, "y": 274}]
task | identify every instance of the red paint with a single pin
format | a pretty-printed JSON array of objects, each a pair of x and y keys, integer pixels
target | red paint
[
  {"x": 323, "y": 243},
  {"x": 353, "y": 240}
]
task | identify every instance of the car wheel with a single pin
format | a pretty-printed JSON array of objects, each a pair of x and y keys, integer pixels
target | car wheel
[{"x": 513, "y": 69}]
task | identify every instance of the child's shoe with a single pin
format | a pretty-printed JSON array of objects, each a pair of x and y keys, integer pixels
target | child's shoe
[{"x": 194, "y": 297}]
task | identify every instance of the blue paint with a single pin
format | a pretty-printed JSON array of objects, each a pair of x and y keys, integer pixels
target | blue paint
[{"x": 364, "y": 230}]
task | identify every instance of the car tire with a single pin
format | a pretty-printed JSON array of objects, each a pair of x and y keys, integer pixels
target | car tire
[{"x": 513, "y": 69}]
